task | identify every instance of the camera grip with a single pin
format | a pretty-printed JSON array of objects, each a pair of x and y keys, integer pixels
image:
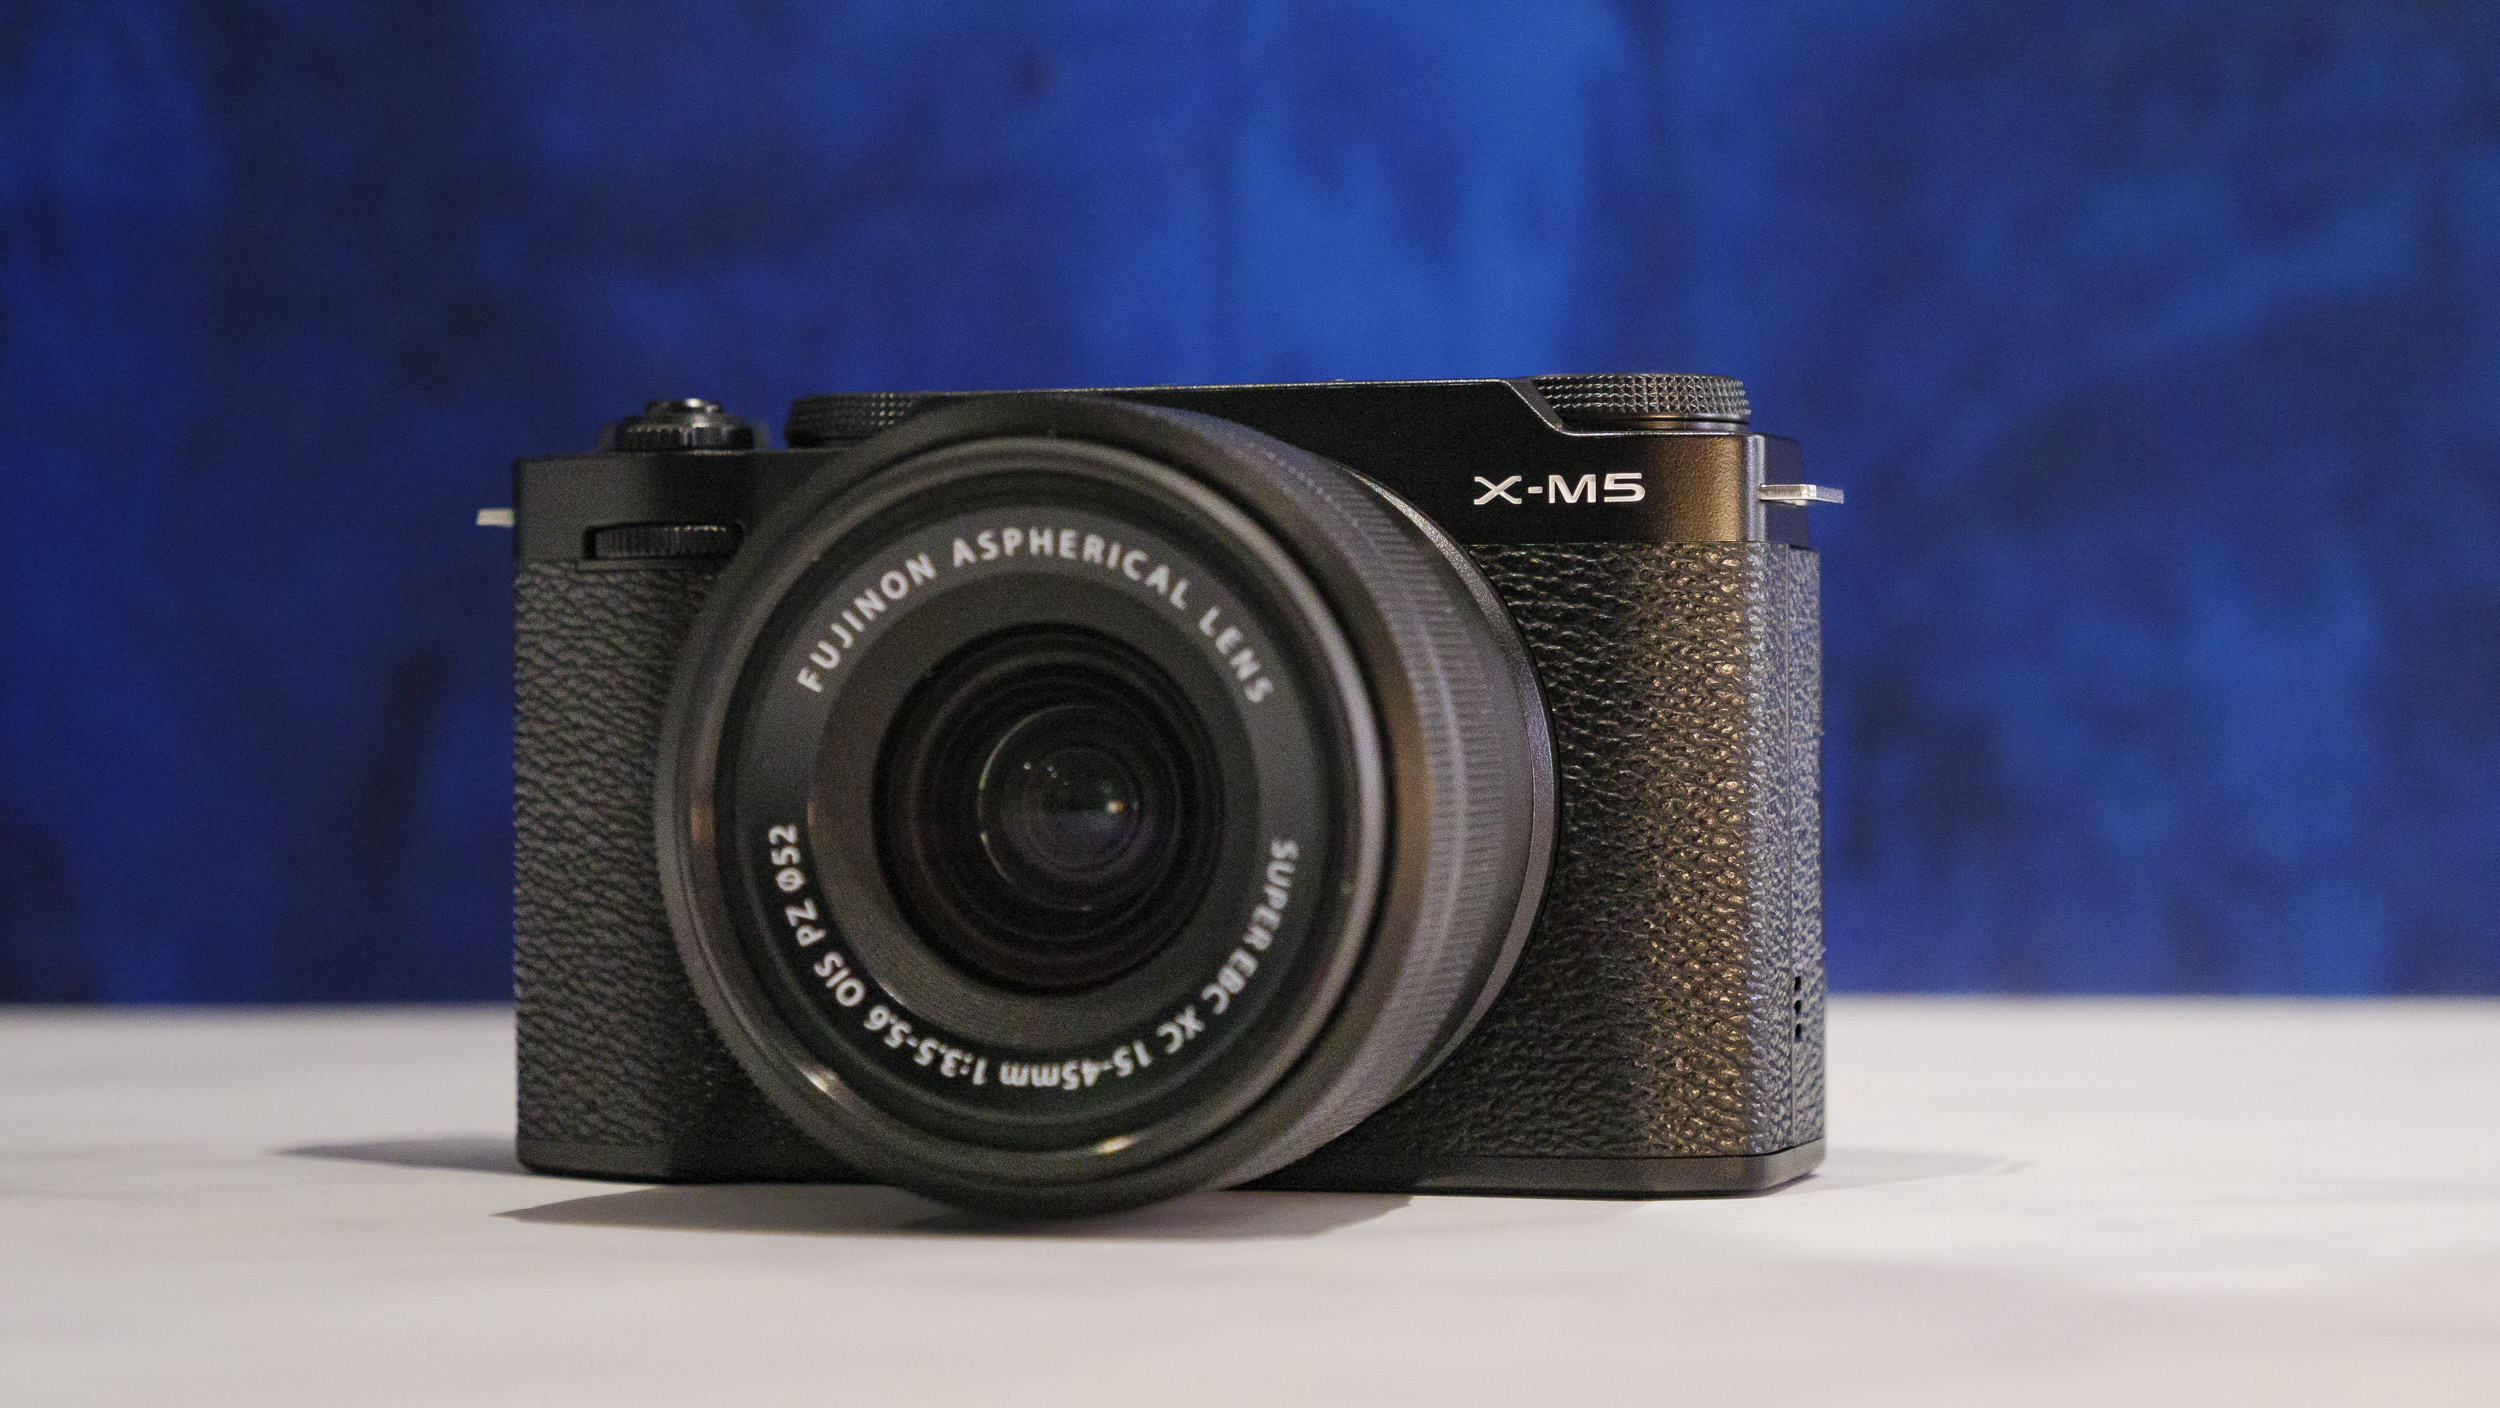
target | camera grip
[
  {"x": 620, "y": 1074},
  {"x": 1669, "y": 1003}
]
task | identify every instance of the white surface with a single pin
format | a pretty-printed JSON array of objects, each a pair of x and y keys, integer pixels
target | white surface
[{"x": 2026, "y": 1203}]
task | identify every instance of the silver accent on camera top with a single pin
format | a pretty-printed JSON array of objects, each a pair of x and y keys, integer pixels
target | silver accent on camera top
[{"x": 1799, "y": 494}]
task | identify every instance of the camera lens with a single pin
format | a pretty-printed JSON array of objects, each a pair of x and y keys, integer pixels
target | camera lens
[
  {"x": 1066, "y": 803},
  {"x": 1048, "y": 809}
]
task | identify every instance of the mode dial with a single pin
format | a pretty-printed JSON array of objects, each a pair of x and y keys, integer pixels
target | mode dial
[{"x": 685, "y": 424}]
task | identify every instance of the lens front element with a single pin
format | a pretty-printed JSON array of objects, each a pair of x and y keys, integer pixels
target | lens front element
[
  {"x": 1063, "y": 817},
  {"x": 1049, "y": 808}
]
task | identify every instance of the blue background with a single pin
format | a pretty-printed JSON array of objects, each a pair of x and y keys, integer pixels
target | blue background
[{"x": 2157, "y": 346}]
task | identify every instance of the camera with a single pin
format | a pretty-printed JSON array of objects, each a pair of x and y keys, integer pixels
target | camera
[{"x": 1057, "y": 801}]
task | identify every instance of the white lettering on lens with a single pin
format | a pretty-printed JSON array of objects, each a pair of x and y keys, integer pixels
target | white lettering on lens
[
  {"x": 1267, "y": 918},
  {"x": 890, "y": 587}
]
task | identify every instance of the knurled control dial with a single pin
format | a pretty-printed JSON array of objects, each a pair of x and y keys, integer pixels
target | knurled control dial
[
  {"x": 850, "y": 417},
  {"x": 1638, "y": 400},
  {"x": 684, "y": 424}
]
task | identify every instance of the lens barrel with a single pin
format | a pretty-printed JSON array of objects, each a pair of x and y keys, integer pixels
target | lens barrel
[{"x": 1065, "y": 804}]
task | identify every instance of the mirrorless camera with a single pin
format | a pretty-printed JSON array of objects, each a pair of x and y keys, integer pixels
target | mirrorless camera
[{"x": 1053, "y": 802}]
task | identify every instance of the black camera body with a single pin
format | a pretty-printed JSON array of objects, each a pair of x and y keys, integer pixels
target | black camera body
[{"x": 1055, "y": 801}]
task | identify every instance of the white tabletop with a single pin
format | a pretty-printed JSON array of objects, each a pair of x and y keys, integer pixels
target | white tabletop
[{"x": 2026, "y": 1203}]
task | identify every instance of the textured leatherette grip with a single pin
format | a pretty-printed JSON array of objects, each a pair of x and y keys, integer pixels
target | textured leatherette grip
[
  {"x": 1669, "y": 1003},
  {"x": 619, "y": 1072}
]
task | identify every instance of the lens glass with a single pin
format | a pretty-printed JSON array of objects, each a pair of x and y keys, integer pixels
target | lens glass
[
  {"x": 1049, "y": 809},
  {"x": 1073, "y": 811}
]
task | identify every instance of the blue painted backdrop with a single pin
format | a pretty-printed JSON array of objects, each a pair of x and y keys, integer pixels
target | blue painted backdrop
[{"x": 2157, "y": 345}]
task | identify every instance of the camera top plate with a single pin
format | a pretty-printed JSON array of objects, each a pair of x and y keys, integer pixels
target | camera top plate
[{"x": 1489, "y": 461}]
